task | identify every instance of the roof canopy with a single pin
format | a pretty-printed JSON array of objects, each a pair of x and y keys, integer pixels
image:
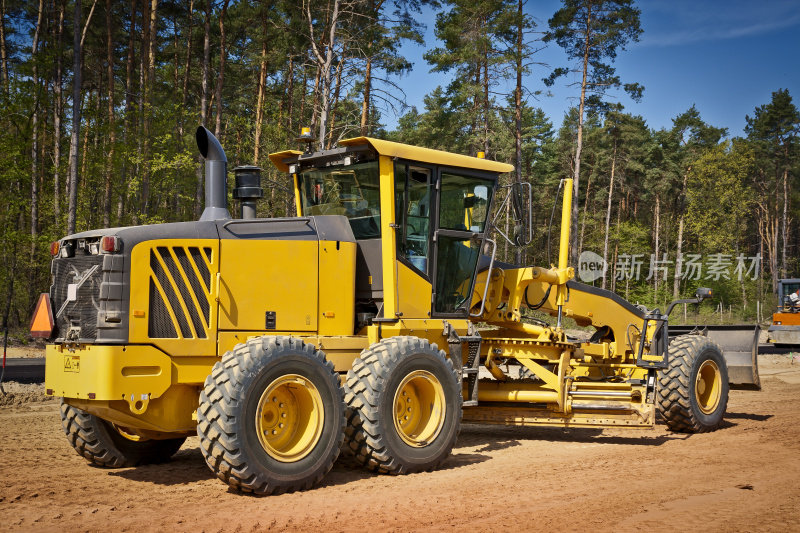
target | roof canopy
[{"x": 404, "y": 151}]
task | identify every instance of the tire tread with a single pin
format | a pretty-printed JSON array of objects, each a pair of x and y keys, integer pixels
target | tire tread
[
  {"x": 362, "y": 388},
  {"x": 675, "y": 401},
  {"x": 219, "y": 408}
]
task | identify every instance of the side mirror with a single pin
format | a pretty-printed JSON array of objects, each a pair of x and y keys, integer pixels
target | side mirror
[
  {"x": 703, "y": 293},
  {"x": 472, "y": 201}
]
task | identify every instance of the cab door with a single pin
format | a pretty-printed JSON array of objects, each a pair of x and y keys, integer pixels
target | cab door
[{"x": 463, "y": 206}]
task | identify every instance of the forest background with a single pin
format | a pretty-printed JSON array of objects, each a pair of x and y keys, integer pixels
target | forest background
[{"x": 99, "y": 101}]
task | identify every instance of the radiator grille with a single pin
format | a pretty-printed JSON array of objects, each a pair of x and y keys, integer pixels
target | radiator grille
[
  {"x": 180, "y": 292},
  {"x": 86, "y": 273}
]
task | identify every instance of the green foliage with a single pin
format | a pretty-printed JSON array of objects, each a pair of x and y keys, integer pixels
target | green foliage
[
  {"x": 608, "y": 25},
  {"x": 718, "y": 203},
  {"x": 730, "y": 196}
]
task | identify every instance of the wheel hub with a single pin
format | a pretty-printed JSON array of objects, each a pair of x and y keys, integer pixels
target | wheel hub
[
  {"x": 708, "y": 387},
  {"x": 289, "y": 418},
  {"x": 419, "y": 408}
]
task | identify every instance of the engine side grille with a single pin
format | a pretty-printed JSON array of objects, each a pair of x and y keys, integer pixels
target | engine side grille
[
  {"x": 180, "y": 293},
  {"x": 85, "y": 274}
]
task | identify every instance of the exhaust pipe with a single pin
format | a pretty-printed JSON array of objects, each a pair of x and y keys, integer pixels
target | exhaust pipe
[{"x": 216, "y": 176}]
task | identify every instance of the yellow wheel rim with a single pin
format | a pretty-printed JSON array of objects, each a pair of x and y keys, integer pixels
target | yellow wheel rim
[
  {"x": 419, "y": 408},
  {"x": 289, "y": 418},
  {"x": 708, "y": 387}
]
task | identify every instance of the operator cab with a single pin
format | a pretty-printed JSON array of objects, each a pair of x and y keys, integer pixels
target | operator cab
[{"x": 439, "y": 205}]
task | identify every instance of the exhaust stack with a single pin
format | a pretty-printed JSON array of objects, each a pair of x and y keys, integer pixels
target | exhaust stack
[{"x": 216, "y": 176}]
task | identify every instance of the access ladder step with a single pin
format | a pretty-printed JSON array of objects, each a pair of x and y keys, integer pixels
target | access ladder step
[{"x": 471, "y": 370}]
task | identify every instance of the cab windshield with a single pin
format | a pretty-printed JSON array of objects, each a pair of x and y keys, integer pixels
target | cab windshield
[{"x": 352, "y": 191}]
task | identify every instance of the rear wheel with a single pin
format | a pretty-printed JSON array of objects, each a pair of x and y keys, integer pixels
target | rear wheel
[
  {"x": 404, "y": 406},
  {"x": 271, "y": 416},
  {"x": 105, "y": 444},
  {"x": 693, "y": 390}
]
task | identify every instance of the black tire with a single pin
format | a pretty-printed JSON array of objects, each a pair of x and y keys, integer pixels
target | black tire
[
  {"x": 693, "y": 390},
  {"x": 102, "y": 444},
  {"x": 227, "y": 416},
  {"x": 371, "y": 391}
]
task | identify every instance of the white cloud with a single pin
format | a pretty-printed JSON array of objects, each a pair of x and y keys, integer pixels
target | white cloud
[{"x": 681, "y": 22}]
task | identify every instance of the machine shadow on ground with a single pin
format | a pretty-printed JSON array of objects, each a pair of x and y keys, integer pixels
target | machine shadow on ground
[
  {"x": 490, "y": 438},
  {"x": 188, "y": 465}
]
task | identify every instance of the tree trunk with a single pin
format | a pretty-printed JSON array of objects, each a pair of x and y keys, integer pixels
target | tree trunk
[
  {"x": 579, "y": 144},
  {"x": 608, "y": 213},
  {"x": 187, "y": 67},
  {"x": 290, "y": 94},
  {"x": 58, "y": 110},
  {"x": 518, "y": 111},
  {"x": 262, "y": 76},
  {"x": 141, "y": 141},
  {"x": 315, "y": 104},
  {"x": 324, "y": 65},
  {"x": 336, "y": 93},
  {"x": 76, "y": 121},
  {"x": 148, "y": 105},
  {"x": 761, "y": 259},
  {"x": 486, "y": 102},
  {"x": 35, "y": 135},
  {"x": 198, "y": 200},
  {"x": 785, "y": 217},
  {"x": 616, "y": 248},
  {"x": 365, "y": 104},
  {"x": 112, "y": 131},
  {"x": 585, "y": 210},
  {"x": 221, "y": 74},
  {"x": 3, "y": 52},
  {"x": 125, "y": 189},
  {"x": 774, "y": 256},
  {"x": 676, "y": 283},
  {"x": 657, "y": 231}
]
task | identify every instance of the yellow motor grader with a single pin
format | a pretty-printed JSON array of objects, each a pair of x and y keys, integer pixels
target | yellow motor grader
[{"x": 352, "y": 326}]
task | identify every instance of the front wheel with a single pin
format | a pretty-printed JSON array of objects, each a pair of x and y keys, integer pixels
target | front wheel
[
  {"x": 693, "y": 390},
  {"x": 271, "y": 416},
  {"x": 404, "y": 406}
]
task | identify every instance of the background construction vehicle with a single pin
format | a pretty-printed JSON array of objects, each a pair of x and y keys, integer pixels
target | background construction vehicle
[
  {"x": 785, "y": 328},
  {"x": 277, "y": 341}
]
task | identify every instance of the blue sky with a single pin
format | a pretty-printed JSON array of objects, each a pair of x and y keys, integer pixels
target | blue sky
[{"x": 726, "y": 57}]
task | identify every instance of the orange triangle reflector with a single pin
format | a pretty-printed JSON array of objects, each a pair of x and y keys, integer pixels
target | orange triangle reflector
[{"x": 42, "y": 324}]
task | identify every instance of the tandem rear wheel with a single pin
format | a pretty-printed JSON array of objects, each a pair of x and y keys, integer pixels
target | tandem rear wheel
[
  {"x": 271, "y": 416},
  {"x": 108, "y": 445},
  {"x": 693, "y": 390},
  {"x": 403, "y": 405}
]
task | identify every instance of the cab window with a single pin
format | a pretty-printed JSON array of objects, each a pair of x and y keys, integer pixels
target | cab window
[
  {"x": 463, "y": 209},
  {"x": 413, "y": 213},
  {"x": 464, "y": 201},
  {"x": 352, "y": 191}
]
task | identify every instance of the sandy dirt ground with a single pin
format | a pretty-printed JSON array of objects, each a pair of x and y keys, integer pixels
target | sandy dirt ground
[
  {"x": 743, "y": 477},
  {"x": 23, "y": 352}
]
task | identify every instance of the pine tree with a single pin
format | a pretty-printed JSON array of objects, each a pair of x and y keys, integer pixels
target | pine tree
[{"x": 591, "y": 32}]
